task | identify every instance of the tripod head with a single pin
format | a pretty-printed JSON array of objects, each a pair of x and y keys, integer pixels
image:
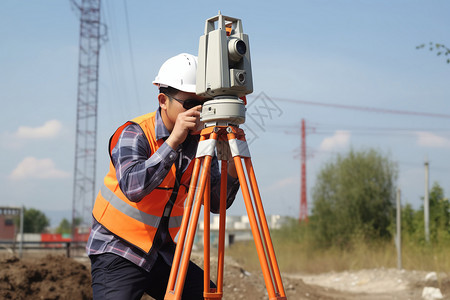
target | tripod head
[{"x": 224, "y": 71}]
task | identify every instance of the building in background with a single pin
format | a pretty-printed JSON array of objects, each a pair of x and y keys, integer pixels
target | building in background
[
  {"x": 8, "y": 228},
  {"x": 237, "y": 229}
]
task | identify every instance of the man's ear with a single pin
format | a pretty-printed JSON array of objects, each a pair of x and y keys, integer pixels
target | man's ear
[{"x": 162, "y": 99}]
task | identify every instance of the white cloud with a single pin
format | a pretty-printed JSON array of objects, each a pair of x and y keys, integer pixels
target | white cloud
[
  {"x": 340, "y": 139},
  {"x": 284, "y": 182},
  {"x": 50, "y": 129},
  {"x": 428, "y": 139},
  {"x": 31, "y": 167}
]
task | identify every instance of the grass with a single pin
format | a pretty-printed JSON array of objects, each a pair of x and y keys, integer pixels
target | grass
[{"x": 297, "y": 256}]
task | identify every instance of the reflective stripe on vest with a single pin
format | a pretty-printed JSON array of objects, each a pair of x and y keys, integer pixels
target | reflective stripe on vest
[{"x": 132, "y": 212}]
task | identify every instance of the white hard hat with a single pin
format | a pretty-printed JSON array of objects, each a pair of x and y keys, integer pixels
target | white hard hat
[{"x": 178, "y": 72}]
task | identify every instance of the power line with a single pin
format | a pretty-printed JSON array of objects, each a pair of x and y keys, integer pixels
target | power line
[
  {"x": 116, "y": 61},
  {"x": 371, "y": 128},
  {"x": 121, "y": 91},
  {"x": 113, "y": 66},
  {"x": 131, "y": 55},
  {"x": 362, "y": 108},
  {"x": 365, "y": 132},
  {"x": 318, "y": 128}
]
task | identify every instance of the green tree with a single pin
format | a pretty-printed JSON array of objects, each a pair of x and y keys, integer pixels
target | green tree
[
  {"x": 413, "y": 224},
  {"x": 409, "y": 220},
  {"x": 354, "y": 196},
  {"x": 439, "y": 211},
  {"x": 64, "y": 227},
  {"x": 34, "y": 221}
]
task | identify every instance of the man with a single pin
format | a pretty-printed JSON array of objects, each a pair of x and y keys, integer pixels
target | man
[{"x": 138, "y": 210}]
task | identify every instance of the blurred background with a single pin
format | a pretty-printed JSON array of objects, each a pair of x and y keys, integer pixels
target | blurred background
[{"x": 361, "y": 74}]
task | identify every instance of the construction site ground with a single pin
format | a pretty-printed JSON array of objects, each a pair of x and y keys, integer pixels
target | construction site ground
[{"x": 57, "y": 277}]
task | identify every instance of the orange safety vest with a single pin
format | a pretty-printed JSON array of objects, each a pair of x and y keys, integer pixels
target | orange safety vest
[{"x": 137, "y": 222}]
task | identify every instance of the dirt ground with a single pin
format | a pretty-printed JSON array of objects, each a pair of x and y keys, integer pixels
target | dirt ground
[
  {"x": 58, "y": 277},
  {"x": 49, "y": 277}
]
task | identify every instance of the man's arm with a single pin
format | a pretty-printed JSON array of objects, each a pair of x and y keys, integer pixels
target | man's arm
[{"x": 138, "y": 170}]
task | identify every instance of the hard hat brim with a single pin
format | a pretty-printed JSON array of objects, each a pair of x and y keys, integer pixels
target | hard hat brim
[{"x": 188, "y": 88}]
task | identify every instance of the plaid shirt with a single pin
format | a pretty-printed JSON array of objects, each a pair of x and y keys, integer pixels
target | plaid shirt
[{"x": 139, "y": 172}]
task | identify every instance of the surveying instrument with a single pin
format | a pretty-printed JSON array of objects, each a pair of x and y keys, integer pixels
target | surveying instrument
[{"x": 224, "y": 77}]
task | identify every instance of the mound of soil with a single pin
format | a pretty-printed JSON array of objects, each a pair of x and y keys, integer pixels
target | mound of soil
[
  {"x": 50, "y": 277},
  {"x": 58, "y": 277}
]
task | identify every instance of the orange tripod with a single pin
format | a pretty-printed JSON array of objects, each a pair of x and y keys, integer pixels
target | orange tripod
[{"x": 209, "y": 137}]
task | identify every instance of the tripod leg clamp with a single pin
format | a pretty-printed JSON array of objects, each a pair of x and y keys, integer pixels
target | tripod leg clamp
[
  {"x": 206, "y": 147},
  {"x": 239, "y": 148}
]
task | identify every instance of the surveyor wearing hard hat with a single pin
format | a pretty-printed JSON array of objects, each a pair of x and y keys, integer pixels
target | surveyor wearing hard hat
[
  {"x": 178, "y": 72},
  {"x": 139, "y": 208}
]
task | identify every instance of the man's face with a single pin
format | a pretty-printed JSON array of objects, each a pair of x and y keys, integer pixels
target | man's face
[
  {"x": 171, "y": 106},
  {"x": 187, "y": 100}
]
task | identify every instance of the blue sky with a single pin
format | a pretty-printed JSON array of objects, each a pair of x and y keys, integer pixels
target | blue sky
[{"x": 308, "y": 58}]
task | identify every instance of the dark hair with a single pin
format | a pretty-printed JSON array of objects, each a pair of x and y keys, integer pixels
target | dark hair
[{"x": 169, "y": 91}]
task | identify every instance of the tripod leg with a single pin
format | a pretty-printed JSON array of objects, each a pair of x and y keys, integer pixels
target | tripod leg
[
  {"x": 265, "y": 227},
  {"x": 218, "y": 292},
  {"x": 254, "y": 227},
  {"x": 184, "y": 251},
  {"x": 271, "y": 274},
  {"x": 222, "y": 221},
  {"x": 183, "y": 229},
  {"x": 206, "y": 237},
  {"x": 177, "y": 292}
]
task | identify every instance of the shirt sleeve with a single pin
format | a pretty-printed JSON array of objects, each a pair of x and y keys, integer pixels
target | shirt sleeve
[{"x": 138, "y": 170}]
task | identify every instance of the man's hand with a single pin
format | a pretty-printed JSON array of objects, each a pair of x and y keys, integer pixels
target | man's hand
[{"x": 186, "y": 121}]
